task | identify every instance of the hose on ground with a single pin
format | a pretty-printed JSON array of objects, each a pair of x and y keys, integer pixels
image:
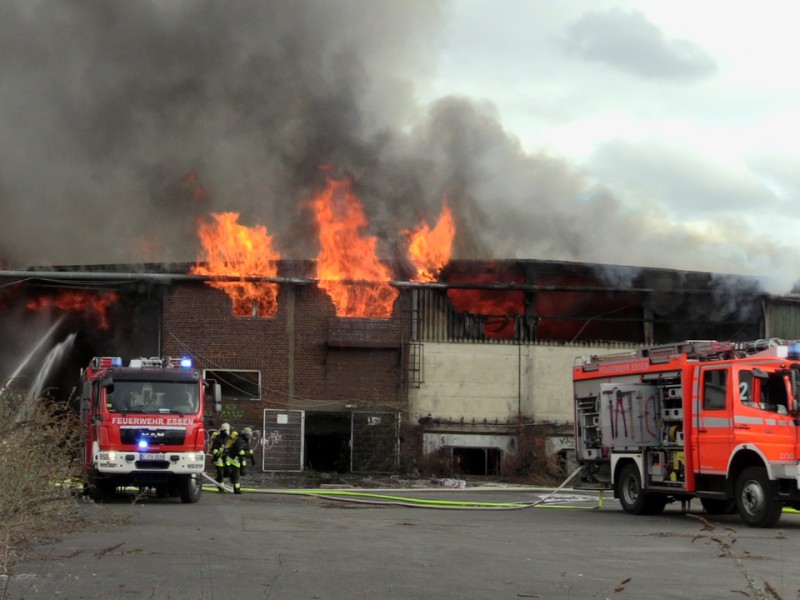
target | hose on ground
[{"x": 392, "y": 500}]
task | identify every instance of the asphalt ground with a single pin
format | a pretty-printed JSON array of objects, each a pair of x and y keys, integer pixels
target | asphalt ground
[{"x": 408, "y": 543}]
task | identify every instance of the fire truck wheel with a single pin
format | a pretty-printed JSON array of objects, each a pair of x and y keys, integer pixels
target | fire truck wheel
[
  {"x": 714, "y": 506},
  {"x": 629, "y": 490},
  {"x": 654, "y": 504},
  {"x": 101, "y": 490},
  {"x": 190, "y": 489},
  {"x": 756, "y": 507}
]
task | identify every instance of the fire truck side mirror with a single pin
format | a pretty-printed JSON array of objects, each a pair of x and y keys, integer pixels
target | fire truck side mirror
[
  {"x": 86, "y": 398},
  {"x": 217, "y": 397},
  {"x": 108, "y": 384},
  {"x": 794, "y": 377}
]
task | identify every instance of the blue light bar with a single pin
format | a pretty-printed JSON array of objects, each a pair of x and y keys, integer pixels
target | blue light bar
[
  {"x": 142, "y": 444},
  {"x": 116, "y": 361},
  {"x": 186, "y": 363}
]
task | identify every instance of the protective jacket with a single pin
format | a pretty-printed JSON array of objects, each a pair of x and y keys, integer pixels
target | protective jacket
[
  {"x": 219, "y": 440},
  {"x": 238, "y": 451}
]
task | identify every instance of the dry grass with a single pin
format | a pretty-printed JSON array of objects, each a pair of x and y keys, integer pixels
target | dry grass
[
  {"x": 531, "y": 464},
  {"x": 37, "y": 464}
]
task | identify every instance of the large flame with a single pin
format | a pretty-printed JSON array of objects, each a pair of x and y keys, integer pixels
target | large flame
[
  {"x": 347, "y": 266},
  {"x": 430, "y": 249},
  {"x": 232, "y": 249},
  {"x": 94, "y": 304}
]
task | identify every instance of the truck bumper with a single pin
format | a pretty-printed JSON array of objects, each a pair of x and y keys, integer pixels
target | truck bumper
[
  {"x": 783, "y": 471},
  {"x": 116, "y": 462}
]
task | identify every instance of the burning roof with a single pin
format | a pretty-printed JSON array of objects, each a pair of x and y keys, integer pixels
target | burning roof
[{"x": 348, "y": 265}]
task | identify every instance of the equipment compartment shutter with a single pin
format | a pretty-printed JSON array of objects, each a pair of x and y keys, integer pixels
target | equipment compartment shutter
[
  {"x": 283, "y": 440},
  {"x": 629, "y": 415},
  {"x": 374, "y": 442}
]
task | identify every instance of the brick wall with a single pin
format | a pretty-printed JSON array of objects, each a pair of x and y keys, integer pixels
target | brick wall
[{"x": 308, "y": 358}]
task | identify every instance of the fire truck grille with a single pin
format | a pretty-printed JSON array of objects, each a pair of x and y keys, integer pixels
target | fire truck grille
[{"x": 153, "y": 436}]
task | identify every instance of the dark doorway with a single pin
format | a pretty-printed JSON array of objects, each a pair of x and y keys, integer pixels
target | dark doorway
[
  {"x": 477, "y": 461},
  {"x": 328, "y": 442}
]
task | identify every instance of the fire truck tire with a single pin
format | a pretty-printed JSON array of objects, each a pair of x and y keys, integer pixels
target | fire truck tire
[
  {"x": 101, "y": 490},
  {"x": 190, "y": 488},
  {"x": 654, "y": 504},
  {"x": 715, "y": 506},
  {"x": 755, "y": 505},
  {"x": 629, "y": 490},
  {"x": 631, "y": 496}
]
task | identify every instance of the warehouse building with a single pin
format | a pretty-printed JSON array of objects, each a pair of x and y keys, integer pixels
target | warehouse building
[{"x": 470, "y": 373}]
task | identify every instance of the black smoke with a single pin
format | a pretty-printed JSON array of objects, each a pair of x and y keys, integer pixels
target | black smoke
[{"x": 109, "y": 105}]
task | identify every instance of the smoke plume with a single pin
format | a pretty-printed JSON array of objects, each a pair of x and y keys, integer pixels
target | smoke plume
[{"x": 123, "y": 122}]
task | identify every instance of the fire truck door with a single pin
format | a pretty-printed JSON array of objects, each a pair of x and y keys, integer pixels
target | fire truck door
[
  {"x": 714, "y": 420},
  {"x": 761, "y": 416}
]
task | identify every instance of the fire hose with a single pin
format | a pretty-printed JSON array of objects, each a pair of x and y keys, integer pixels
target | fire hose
[{"x": 393, "y": 500}]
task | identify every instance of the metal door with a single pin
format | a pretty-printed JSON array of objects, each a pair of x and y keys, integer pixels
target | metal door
[
  {"x": 282, "y": 440},
  {"x": 761, "y": 414},
  {"x": 714, "y": 421},
  {"x": 374, "y": 442}
]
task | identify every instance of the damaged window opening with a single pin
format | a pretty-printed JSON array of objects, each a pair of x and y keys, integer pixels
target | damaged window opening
[
  {"x": 237, "y": 384},
  {"x": 251, "y": 309},
  {"x": 477, "y": 461}
]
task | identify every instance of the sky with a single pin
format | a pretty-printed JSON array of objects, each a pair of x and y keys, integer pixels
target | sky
[
  {"x": 684, "y": 112},
  {"x": 641, "y": 133}
]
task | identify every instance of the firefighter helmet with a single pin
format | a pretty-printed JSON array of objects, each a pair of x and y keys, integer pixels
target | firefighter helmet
[
  {"x": 226, "y": 427},
  {"x": 247, "y": 432}
]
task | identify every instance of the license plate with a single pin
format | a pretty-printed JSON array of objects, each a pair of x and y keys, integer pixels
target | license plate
[{"x": 152, "y": 456}]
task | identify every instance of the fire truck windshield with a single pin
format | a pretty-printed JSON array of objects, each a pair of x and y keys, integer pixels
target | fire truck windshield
[{"x": 153, "y": 397}]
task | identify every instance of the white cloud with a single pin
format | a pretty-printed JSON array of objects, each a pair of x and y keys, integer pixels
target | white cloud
[
  {"x": 629, "y": 41},
  {"x": 681, "y": 110}
]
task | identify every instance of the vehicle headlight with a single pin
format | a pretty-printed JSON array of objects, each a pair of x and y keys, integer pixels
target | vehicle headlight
[
  {"x": 195, "y": 456},
  {"x": 110, "y": 456}
]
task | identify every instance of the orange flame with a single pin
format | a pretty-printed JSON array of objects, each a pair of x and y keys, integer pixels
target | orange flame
[
  {"x": 430, "y": 249},
  {"x": 236, "y": 250},
  {"x": 346, "y": 256},
  {"x": 91, "y": 303}
]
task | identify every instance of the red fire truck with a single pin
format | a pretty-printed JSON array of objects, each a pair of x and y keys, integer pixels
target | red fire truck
[
  {"x": 142, "y": 425},
  {"x": 711, "y": 420}
]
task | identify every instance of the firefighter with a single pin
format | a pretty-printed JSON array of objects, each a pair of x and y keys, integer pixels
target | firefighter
[
  {"x": 219, "y": 440},
  {"x": 249, "y": 455},
  {"x": 238, "y": 454}
]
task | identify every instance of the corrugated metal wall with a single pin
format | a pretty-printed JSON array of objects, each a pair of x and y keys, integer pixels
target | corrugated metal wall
[
  {"x": 435, "y": 320},
  {"x": 782, "y": 318}
]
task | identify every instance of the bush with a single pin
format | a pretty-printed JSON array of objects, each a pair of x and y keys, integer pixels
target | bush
[{"x": 39, "y": 444}]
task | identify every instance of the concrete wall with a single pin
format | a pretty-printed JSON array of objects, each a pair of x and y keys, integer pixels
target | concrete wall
[
  {"x": 435, "y": 441},
  {"x": 498, "y": 382}
]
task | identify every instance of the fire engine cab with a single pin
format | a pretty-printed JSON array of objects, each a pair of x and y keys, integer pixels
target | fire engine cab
[
  {"x": 142, "y": 425},
  {"x": 711, "y": 420}
]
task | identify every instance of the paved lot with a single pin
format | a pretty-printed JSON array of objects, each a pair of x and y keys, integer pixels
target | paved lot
[{"x": 277, "y": 546}]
